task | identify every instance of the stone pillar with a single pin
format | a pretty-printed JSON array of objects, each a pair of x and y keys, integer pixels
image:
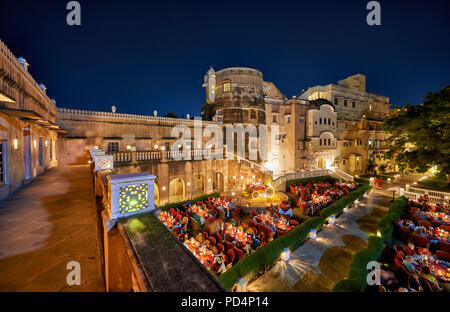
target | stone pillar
[
  {"x": 131, "y": 194},
  {"x": 96, "y": 152},
  {"x": 104, "y": 162}
]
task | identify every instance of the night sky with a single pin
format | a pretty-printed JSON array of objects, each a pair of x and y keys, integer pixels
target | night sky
[{"x": 141, "y": 56}]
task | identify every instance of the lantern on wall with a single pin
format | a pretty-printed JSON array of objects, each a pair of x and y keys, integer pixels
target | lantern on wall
[
  {"x": 312, "y": 234},
  {"x": 285, "y": 255},
  {"x": 331, "y": 220}
]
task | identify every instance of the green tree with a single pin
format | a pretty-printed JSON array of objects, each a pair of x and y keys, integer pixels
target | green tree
[{"x": 420, "y": 135}]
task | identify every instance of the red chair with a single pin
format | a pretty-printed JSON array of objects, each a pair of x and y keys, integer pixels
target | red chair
[
  {"x": 205, "y": 234},
  {"x": 240, "y": 253},
  {"x": 231, "y": 255},
  {"x": 446, "y": 228},
  {"x": 398, "y": 248},
  {"x": 219, "y": 237},
  {"x": 251, "y": 222},
  {"x": 408, "y": 251},
  {"x": 179, "y": 216},
  {"x": 171, "y": 211},
  {"x": 443, "y": 246},
  {"x": 228, "y": 244},
  {"x": 226, "y": 260},
  {"x": 260, "y": 227},
  {"x": 253, "y": 213},
  {"x": 221, "y": 247},
  {"x": 436, "y": 223},
  {"x": 424, "y": 223},
  {"x": 443, "y": 255},
  {"x": 280, "y": 233},
  {"x": 212, "y": 239},
  {"x": 402, "y": 232},
  {"x": 420, "y": 240},
  {"x": 235, "y": 213},
  {"x": 293, "y": 222}
]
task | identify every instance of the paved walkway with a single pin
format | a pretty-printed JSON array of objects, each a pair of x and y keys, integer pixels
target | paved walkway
[
  {"x": 45, "y": 225},
  {"x": 319, "y": 264}
]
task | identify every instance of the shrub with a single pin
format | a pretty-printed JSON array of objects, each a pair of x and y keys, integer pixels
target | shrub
[
  {"x": 194, "y": 200},
  {"x": 377, "y": 244},
  {"x": 358, "y": 267},
  {"x": 361, "y": 180},
  {"x": 396, "y": 210},
  {"x": 347, "y": 285},
  {"x": 259, "y": 261}
]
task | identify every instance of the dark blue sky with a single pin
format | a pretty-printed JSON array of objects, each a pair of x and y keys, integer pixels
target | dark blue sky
[{"x": 141, "y": 56}]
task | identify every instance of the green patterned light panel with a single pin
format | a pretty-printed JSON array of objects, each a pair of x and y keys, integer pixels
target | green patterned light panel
[{"x": 133, "y": 198}]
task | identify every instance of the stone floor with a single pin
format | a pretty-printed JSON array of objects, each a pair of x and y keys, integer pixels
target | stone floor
[
  {"x": 47, "y": 224},
  {"x": 319, "y": 264}
]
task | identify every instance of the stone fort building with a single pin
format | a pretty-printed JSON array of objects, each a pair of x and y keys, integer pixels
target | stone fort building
[{"x": 334, "y": 126}]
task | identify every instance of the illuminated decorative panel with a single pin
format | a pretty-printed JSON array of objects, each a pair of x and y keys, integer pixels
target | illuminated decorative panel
[
  {"x": 104, "y": 162},
  {"x": 133, "y": 198},
  {"x": 130, "y": 193}
]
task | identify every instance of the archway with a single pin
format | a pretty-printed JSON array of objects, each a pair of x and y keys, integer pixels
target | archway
[
  {"x": 321, "y": 163},
  {"x": 176, "y": 190},
  {"x": 156, "y": 194},
  {"x": 201, "y": 185},
  {"x": 218, "y": 181}
]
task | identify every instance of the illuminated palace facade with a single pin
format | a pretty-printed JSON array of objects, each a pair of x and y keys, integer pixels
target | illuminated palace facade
[{"x": 334, "y": 126}]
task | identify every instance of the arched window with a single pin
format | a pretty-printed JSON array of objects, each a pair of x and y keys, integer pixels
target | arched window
[
  {"x": 320, "y": 120},
  {"x": 252, "y": 114}
]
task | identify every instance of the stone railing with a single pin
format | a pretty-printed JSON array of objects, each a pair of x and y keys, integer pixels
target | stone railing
[
  {"x": 121, "y": 156},
  {"x": 4, "y": 50},
  {"x": 251, "y": 164},
  {"x": 414, "y": 193},
  {"x": 343, "y": 175},
  {"x": 66, "y": 112},
  {"x": 148, "y": 155},
  {"x": 279, "y": 184}
]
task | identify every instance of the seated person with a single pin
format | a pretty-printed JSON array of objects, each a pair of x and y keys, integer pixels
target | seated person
[
  {"x": 409, "y": 250},
  {"x": 256, "y": 243},
  {"x": 426, "y": 274}
]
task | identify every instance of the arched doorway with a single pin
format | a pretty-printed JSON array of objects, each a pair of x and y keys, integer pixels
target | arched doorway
[
  {"x": 201, "y": 185},
  {"x": 176, "y": 190},
  {"x": 218, "y": 181},
  {"x": 156, "y": 194},
  {"x": 321, "y": 163}
]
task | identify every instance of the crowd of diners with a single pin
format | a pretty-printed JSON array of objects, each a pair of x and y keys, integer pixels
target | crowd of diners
[
  {"x": 214, "y": 230},
  {"x": 316, "y": 195},
  {"x": 420, "y": 260}
]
